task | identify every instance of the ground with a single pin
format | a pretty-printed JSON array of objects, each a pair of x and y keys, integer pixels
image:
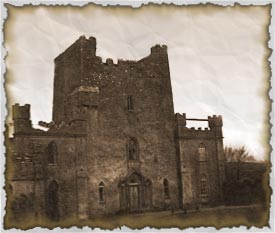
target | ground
[{"x": 223, "y": 216}]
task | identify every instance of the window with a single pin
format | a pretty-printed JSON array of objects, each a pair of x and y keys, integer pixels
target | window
[
  {"x": 52, "y": 153},
  {"x": 166, "y": 188},
  {"x": 133, "y": 149},
  {"x": 201, "y": 152},
  {"x": 101, "y": 192},
  {"x": 203, "y": 184},
  {"x": 130, "y": 103}
]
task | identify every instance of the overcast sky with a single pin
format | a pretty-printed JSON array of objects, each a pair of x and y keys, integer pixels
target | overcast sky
[{"x": 216, "y": 58}]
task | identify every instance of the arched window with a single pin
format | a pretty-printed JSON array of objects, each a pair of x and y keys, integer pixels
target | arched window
[
  {"x": 201, "y": 152},
  {"x": 166, "y": 188},
  {"x": 52, "y": 153},
  {"x": 101, "y": 192},
  {"x": 132, "y": 149},
  {"x": 203, "y": 186}
]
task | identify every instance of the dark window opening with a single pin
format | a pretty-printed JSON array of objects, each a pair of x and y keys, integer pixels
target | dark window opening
[
  {"x": 101, "y": 193},
  {"x": 166, "y": 188},
  {"x": 132, "y": 149},
  {"x": 130, "y": 103},
  {"x": 52, "y": 153}
]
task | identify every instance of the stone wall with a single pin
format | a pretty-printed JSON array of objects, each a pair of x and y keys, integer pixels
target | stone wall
[
  {"x": 193, "y": 168},
  {"x": 113, "y": 145},
  {"x": 33, "y": 172},
  {"x": 110, "y": 124}
]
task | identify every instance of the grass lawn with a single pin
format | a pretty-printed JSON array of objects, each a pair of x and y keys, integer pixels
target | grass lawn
[{"x": 218, "y": 217}]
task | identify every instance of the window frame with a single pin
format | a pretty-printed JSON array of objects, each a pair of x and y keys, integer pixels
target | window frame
[
  {"x": 101, "y": 193},
  {"x": 203, "y": 186},
  {"x": 202, "y": 153}
]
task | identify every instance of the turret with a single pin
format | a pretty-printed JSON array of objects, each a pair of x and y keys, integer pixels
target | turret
[
  {"x": 21, "y": 118},
  {"x": 215, "y": 123},
  {"x": 181, "y": 119},
  {"x": 159, "y": 49},
  {"x": 88, "y": 45}
]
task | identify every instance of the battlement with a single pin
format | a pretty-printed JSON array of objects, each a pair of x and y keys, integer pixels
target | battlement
[
  {"x": 180, "y": 119},
  {"x": 21, "y": 112},
  {"x": 214, "y": 122},
  {"x": 88, "y": 45},
  {"x": 158, "y": 48},
  {"x": 81, "y": 42}
]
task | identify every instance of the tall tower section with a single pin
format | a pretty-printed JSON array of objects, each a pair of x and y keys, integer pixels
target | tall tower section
[
  {"x": 128, "y": 107},
  {"x": 68, "y": 74},
  {"x": 201, "y": 161},
  {"x": 215, "y": 124}
]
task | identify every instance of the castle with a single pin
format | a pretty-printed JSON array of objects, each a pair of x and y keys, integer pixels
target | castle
[{"x": 114, "y": 145}]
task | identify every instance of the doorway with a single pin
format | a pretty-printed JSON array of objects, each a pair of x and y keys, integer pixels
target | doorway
[
  {"x": 134, "y": 197},
  {"x": 52, "y": 201}
]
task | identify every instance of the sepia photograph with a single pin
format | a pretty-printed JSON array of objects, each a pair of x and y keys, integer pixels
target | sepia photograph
[{"x": 136, "y": 115}]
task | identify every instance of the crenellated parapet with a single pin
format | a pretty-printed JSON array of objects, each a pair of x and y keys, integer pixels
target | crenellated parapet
[
  {"x": 82, "y": 44},
  {"x": 159, "y": 49},
  {"x": 215, "y": 121},
  {"x": 214, "y": 130},
  {"x": 180, "y": 119},
  {"x": 21, "y": 118},
  {"x": 21, "y": 112}
]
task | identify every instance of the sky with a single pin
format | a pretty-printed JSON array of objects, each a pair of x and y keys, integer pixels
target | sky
[{"x": 216, "y": 58}]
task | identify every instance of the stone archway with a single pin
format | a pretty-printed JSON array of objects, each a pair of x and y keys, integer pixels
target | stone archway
[
  {"x": 52, "y": 210},
  {"x": 135, "y": 193}
]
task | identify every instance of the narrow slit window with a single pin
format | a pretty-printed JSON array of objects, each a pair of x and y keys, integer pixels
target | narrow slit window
[
  {"x": 166, "y": 188},
  {"x": 101, "y": 190},
  {"x": 132, "y": 149},
  {"x": 52, "y": 153},
  {"x": 130, "y": 103}
]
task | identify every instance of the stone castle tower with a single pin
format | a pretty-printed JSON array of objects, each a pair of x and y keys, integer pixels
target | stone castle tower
[{"x": 115, "y": 144}]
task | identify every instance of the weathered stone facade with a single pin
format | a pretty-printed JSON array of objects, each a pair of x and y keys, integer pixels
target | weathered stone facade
[{"x": 115, "y": 144}]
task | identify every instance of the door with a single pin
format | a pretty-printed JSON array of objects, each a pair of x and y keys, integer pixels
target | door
[
  {"x": 52, "y": 201},
  {"x": 134, "y": 197}
]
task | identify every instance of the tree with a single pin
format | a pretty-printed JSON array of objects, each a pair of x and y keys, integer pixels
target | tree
[{"x": 238, "y": 154}]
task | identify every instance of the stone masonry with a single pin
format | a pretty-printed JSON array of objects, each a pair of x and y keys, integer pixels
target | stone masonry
[{"x": 114, "y": 145}]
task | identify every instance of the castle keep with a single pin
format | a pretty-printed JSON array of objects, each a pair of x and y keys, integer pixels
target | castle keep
[{"x": 114, "y": 145}]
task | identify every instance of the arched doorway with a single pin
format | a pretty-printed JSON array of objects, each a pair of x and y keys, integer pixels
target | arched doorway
[
  {"x": 52, "y": 201},
  {"x": 134, "y": 184},
  {"x": 135, "y": 193}
]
